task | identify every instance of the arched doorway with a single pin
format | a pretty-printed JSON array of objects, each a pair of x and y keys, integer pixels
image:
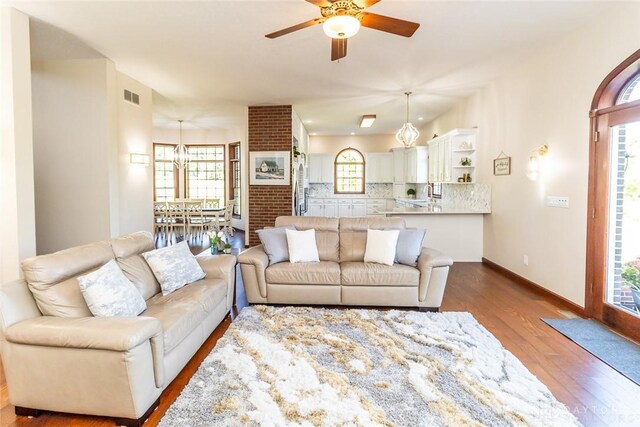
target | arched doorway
[{"x": 613, "y": 234}]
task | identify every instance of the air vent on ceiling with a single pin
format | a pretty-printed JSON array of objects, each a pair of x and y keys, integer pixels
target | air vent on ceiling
[{"x": 134, "y": 98}]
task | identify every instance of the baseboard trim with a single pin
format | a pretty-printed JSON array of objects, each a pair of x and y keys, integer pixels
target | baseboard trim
[{"x": 534, "y": 287}]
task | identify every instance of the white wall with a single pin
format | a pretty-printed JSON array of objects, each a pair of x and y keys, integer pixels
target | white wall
[
  {"x": 17, "y": 227},
  {"x": 74, "y": 132},
  {"x": 545, "y": 100},
  {"x": 364, "y": 143},
  {"x": 135, "y": 136}
]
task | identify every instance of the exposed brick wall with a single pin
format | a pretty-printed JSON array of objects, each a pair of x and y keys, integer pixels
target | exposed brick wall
[{"x": 269, "y": 130}]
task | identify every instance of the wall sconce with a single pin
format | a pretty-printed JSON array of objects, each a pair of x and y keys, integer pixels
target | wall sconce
[
  {"x": 535, "y": 162},
  {"x": 139, "y": 159}
]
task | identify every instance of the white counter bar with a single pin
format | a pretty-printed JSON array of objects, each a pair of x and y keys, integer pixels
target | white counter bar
[{"x": 457, "y": 232}]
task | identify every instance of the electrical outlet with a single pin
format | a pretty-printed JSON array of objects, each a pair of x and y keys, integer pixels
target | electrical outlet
[
  {"x": 558, "y": 202},
  {"x": 525, "y": 259}
]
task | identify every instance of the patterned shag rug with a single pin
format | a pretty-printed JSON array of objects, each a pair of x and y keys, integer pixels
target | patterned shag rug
[{"x": 299, "y": 366}]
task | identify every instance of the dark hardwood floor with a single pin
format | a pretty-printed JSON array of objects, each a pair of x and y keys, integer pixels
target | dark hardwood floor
[{"x": 594, "y": 392}]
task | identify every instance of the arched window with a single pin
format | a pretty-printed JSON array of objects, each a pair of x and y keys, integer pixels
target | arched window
[
  {"x": 613, "y": 251},
  {"x": 349, "y": 172}
]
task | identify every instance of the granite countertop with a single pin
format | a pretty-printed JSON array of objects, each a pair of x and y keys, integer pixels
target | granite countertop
[
  {"x": 431, "y": 210},
  {"x": 350, "y": 196}
]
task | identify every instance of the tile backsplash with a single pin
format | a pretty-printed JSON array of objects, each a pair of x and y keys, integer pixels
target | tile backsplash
[
  {"x": 471, "y": 196},
  {"x": 382, "y": 191}
]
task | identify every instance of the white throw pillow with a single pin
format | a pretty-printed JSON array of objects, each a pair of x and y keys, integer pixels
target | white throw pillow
[
  {"x": 302, "y": 246},
  {"x": 109, "y": 293},
  {"x": 381, "y": 246},
  {"x": 174, "y": 266}
]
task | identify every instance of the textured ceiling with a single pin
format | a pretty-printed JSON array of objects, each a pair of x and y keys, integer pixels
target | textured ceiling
[{"x": 208, "y": 60}]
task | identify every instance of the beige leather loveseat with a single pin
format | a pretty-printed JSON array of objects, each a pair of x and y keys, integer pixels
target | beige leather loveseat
[
  {"x": 342, "y": 277},
  {"x": 74, "y": 362}
]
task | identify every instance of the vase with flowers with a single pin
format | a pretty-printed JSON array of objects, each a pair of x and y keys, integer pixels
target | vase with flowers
[
  {"x": 631, "y": 276},
  {"x": 218, "y": 241}
]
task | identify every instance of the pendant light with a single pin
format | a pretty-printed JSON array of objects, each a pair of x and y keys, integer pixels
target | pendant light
[
  {"x": 181, "y": 156},
  {"x": 408, "y": 134}
]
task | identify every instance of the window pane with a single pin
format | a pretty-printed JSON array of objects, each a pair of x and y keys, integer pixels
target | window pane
[
  {"x": 349, "y": 170},
  {"x": 205, "y": 173}
]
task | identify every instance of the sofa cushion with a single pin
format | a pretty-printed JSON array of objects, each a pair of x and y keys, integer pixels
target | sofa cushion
[
  {"x": 327, "y": 238},
  {"x": 369, "y": 274},
  {"x": 302, "y": 246},
  {"x": 409, "y": 246},
  {"x": 183, "y": 310},
  {"x": 128, "y": 251},
  {"x": 109, "y": 293},
  {"x": 353, "y": 234},
  {"x": 381, "y": 246},
  {"x": 53, "y": 282},
  {"x": 174, "y": 266},
  {"x": 317, "y": 273},
  {"x": 274, "y": 243}
]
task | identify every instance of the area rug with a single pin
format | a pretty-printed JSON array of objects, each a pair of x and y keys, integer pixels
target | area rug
[
  {"x": 299, "y": 366},
  {"x": 614, "y": 350}
]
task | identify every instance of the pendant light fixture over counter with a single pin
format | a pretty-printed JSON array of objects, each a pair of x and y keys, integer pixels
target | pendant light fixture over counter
[
  {"x": 408, "y": 134},
  {"x": 181, "y": 156}
]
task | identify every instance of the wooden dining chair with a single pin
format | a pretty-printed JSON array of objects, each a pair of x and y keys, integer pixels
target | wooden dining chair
[
  {"x": 195, "y": 218},
  {"x": 225, "y": 221},
  {"x": 176, "y": 218},
  {"x": 160, "y": 218}
]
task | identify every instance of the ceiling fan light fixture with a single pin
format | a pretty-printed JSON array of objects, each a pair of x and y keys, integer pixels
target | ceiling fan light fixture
[{"x": 341, "y": 26}]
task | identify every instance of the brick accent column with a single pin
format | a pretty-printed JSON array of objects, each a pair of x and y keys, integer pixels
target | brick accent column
[{"x": 269, "y": 130}]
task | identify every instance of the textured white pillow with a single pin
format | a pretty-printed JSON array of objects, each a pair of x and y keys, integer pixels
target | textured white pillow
[
  {"x": 381, "y": 246},
  {"x": 109, "y": 293},
  {"x": 302, "y": 246},
  {"x": 174, "y": 266}
]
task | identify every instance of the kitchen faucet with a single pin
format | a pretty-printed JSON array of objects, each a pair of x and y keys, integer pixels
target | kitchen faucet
[{"x": 429, "y": 190}]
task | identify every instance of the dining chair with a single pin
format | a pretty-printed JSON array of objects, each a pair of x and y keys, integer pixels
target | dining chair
[
  {"x": 176, "y": 218},
  {"x": 195, "y": 218},
  {"x": 224, "y": 222},
  {"x": 160, "y": 218}
]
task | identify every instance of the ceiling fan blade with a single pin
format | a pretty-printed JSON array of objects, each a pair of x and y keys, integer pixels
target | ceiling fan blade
[
  {"x": 338, "y": 49},
  {"x": 365, "y": 3},
  {"x": 321, "y": 3},
  {"x": 388, "y": 24},
  {"x": 295, "y": 28}
]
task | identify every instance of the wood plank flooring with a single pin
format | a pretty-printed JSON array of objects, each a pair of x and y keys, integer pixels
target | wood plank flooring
[{"x": 594, "y": 392}]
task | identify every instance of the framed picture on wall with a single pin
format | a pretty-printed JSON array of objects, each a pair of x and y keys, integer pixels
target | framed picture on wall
[
  {"x": 270, "y": 168},
  {"x": 502, "y": 165}
]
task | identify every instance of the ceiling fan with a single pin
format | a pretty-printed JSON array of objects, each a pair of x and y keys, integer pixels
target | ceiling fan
[{"x": 342, "y": 19}]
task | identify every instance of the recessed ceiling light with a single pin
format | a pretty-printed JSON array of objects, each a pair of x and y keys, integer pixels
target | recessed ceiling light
[
  {"x": 308, "y": 121},
  {"x": 420, "y": 118},
  {"x": 353, "y": 133},
  {"x": 367, "y": 120},
  {"x": 313, "y": 134}
]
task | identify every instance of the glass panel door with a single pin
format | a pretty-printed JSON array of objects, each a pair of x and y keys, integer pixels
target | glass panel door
[{"x": 623, "y": 246}]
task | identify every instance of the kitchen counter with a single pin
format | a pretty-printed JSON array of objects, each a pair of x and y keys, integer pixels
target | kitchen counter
[{"x": 430, "y": 210}]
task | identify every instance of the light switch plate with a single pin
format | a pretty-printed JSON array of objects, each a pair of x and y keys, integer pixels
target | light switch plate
[{"x": 558, "y": 202}]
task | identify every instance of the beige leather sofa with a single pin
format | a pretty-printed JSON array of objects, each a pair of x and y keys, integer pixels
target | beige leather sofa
[
  {"x": 115, "y": 367},
  {"x": 342, "y": 277}
]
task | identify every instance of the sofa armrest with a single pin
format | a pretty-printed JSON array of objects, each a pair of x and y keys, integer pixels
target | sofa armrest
[
  {"x": 103, "y": 333},
  {"x": 16, "y": 304},
  {"x": 220, "y": 267},
  {"x": 253, "y": 264},
  {"x": 434, "y": 269}
]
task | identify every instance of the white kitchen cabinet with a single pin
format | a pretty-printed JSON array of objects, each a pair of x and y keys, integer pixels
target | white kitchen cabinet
[
  {"x": 321, "y": 168},
  {"x": 447, "y": 154},
  {"x": 322, "y": 207},
  {"x": 416, "y": 165},
  {"x": 379, "y": 168},
  {"x": 398, "y": 165}
]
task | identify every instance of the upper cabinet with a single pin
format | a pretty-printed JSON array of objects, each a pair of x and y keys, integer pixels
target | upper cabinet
[
  {"x": 452, "y": 157},
  {"x": 379, "y": 168},
  {"x": 416, "y": 165},
  {"x": 398, "y": 165},
  {"x": 321, "y": 168}
]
